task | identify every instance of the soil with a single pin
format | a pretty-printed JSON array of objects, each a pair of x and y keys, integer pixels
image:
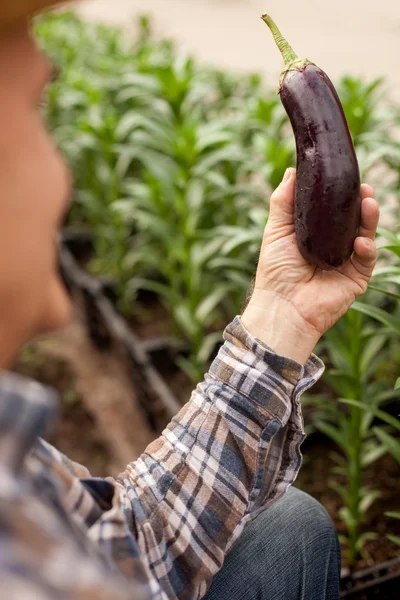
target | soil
[
  {"x": 150, "y": 318},
  {"x": 151, "y": 322},
  {"x": 101, "y": 423}
]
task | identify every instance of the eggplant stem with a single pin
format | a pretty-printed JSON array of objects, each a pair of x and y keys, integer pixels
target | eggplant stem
[{"x": 289, "y": 55}]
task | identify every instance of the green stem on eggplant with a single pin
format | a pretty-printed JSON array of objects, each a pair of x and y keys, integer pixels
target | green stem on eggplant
[
  {"x": 292, "y": 61},
  {"x": 289, "y": 55}
]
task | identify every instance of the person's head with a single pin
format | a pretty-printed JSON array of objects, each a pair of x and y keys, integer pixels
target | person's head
[{"x": 34, "y": 189}]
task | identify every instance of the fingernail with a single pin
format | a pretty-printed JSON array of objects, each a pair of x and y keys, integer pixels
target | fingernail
[{"x": 287, "y": 175}]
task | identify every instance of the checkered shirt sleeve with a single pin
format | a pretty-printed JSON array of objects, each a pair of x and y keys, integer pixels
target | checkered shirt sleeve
[{"x": 232, "y": 451}]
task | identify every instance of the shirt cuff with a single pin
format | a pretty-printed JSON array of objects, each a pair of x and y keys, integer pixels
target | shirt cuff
[{"x": 250, "y": 366}]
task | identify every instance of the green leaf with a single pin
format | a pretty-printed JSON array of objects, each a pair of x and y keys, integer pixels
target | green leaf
[
  {"x": 340, "y": 489},
  {"x": 188, "y": 368},
  {"x": 203, "y": 252},
  {"x": 380, "y": 315},
  {"x": 341, "y": 383},
  {"x": 363, "y": 538},
  {"x": 373, "y": 455},
  {"x": 152, "y": 286},
  {"x": 383, "y": 291},
  {"x": 185, "y": 320},
  {"x": 313, "y": 399},
  {"x": 232, "y": 263},
  {"x": 244, "y": 237},
  {"x": 377, "y": 413},
  {"x": 371, "y": 404},
  {"x": 346, "y": 516},
  {"x": 133, "y": 120},
  {"x": 394, "y": 249},
  {"x": 393, "y": 514},
  {"x": 372, "y": 348},
  {"x": 210, "y": 303},
  {"x": 397, "y": 384},
  {"x": 205, "y": 142},
  {"x": 394, "y": 538},
  {"x": 241, "y": 280},
  {"x": 343, "y": 471},
  {"x": 392, "y": 444},
  {"x": 368, "y": 499},
  {"x": 213, "y": 159},
  {"x": 338, "y": 346},
  {"x": 208, "y": 345},
  {"x": 391, "y": 237},
  {"x": 391, "y": 270},
  {"x": 139, "y": 81},
  {"x": 333, "y": 433},
  {"x": 383, "y": 396}
]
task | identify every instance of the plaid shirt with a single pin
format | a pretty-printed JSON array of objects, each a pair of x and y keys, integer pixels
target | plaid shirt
[{"x": 161, "y": 530}]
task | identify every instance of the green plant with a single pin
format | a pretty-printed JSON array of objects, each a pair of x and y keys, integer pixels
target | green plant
[
  {"x": 386, "y": 281},
  {"x": 394, "y": 515},
  {"x": 173, "y": 162},
  {"x": 362, "y": 104},
  {"x": 197, "y": 274},
  {"x": 389, "y": 442},
  {"x": 354, "y": 349}
]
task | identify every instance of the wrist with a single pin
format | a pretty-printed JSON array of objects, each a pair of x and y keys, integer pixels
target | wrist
[{"x": 275, "y": 322}]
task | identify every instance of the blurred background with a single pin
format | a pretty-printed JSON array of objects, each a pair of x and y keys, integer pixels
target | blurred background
[
  {"x": 169, "y": 117},
  {"x": 359, "y": 36}
]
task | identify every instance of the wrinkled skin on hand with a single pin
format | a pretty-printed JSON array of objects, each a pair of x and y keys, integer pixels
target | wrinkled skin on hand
[{"x": 310, "y": 298}]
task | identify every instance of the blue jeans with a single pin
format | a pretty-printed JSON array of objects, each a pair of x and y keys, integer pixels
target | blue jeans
[{"x": 289, "y": 552}]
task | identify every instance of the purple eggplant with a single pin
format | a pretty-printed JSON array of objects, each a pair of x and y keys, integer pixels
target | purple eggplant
[{"x": 327, "y": 209}]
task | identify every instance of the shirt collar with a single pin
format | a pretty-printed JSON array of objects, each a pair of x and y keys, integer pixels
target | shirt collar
[{"x": 26, "y": 409}]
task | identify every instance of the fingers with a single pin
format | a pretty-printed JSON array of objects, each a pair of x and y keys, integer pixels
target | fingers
[
  {"x": 362, "y": 262},
  {"x": 365, "y": 252},
  {"x": 369, "y": 218},
  {"x": 282, "y": 201},
  {"x": 361, "y": 265},
  {"x": 365, "y": 255},
  {"x": 282, "y": 207},
  {"x": 367, "y": 191}
]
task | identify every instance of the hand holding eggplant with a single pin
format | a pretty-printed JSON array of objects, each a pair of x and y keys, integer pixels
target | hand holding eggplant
[{"x": 293, "y": 302}]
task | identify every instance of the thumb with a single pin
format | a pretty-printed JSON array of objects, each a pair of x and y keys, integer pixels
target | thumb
[{"x": 281, "y": 206}]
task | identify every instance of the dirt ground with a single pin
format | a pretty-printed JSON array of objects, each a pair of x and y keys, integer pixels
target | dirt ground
[
  {"x": 101, "y": 424},
  {"x": 361, "y": 37}
]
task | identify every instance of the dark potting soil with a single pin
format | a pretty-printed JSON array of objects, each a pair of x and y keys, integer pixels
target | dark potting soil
[{"x": 150, "y": 318}]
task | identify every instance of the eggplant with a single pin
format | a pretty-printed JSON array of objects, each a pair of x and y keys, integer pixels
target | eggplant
[{"x": 327, "y": 209}]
